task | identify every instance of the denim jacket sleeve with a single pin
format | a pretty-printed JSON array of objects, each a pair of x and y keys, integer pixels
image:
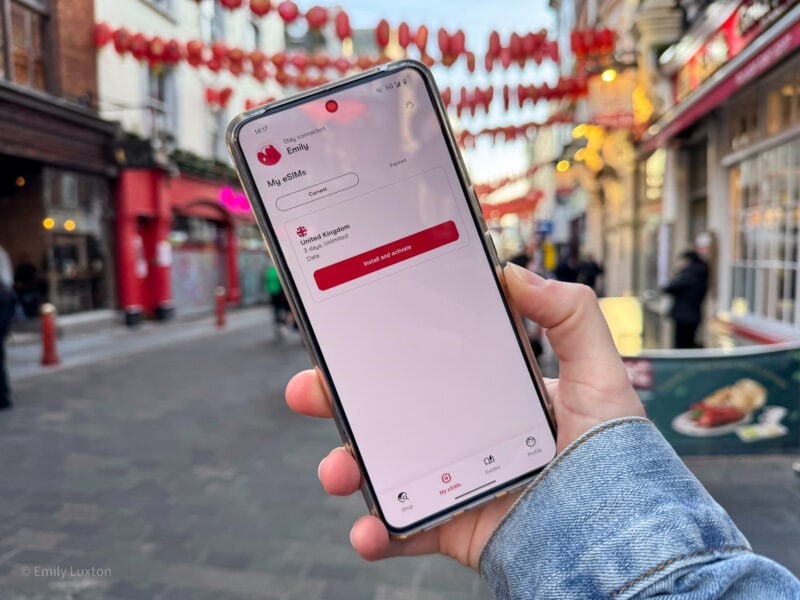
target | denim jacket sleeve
[{"x": 618, "y": 515}]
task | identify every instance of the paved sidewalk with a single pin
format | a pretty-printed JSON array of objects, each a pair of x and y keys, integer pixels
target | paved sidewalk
[{"x": 81, "y": 349}]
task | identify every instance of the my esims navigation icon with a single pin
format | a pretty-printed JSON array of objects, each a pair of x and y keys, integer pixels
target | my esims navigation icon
[
  {"x": 302, "y": 231},
  {"x": 269, "y": 155}
]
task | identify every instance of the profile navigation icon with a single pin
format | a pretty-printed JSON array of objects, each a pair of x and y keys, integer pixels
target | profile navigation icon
[{"x": 530, "y": 441}]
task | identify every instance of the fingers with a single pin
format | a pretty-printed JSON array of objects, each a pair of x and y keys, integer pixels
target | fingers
[
  {"x": 371, "y": 540},
  {"x": 305, "y": 395},
  {"x": 575, "y": 326},
  {"x": 339, "y": 474}
]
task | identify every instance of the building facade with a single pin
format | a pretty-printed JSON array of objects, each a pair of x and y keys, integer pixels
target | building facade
[
  {"x": 721, "y": 162},
  {"x": 56, "y": 163},
  {"x": 183, "y": 226}
]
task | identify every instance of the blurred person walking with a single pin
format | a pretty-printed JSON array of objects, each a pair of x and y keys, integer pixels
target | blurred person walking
[
  {"x": 588, "y": 272},
  {"x": 7, "y": 302},
  {"x": 688, "y": 288},
  {"x": 280, "y": 305},
  {"x": 567, "y": 268}
]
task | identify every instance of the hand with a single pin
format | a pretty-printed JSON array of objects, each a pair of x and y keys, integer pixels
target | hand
[{"x": 593, "y": 388}]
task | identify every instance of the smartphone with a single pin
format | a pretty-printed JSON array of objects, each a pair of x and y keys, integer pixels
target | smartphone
[{"x": 370, "y": 218}]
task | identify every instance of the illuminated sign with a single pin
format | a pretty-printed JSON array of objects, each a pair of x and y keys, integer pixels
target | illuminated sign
[{"x": 233, "y": 201}]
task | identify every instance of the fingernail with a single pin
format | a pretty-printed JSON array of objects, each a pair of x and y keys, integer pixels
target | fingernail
[
  {"x": 319, "y": 468},
  {"x": 525, "y": 276}
]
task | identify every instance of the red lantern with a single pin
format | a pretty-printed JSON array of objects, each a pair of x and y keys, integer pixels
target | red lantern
[
  {"x": 212, "y": 96},
  {"x": 404, "y": 35},
  {"x": 299, "y": 60},
  {"x": 363, "y": 62},
  {"x": 155, "y": 50},
  {"x": 174, "y": 52},
  {"x": 260, "y": 7},
  {"x": 260, "y": 72},
  {"x": 236, "y": 55},
  {"x": 219, "y": 50},
  {"x": 494, "y": 45},
  {"x": 343, "y": 30},
  {"x": 506, "y": 97},
  {"x": 248, "y": 104},
  {"x": 382, "y": 33},
  {"x": 282, "y": 77},
  {"x": 288, "y": 11},
  {"x": 471, "y": 62},
  {"x": 505, "y": 57},
  {"x": 458, "y": 43},
  {"x": 427, "y": 60},
  {"x": 321, "y": 61},
  {"x": 488, "y": 63},
  {"x": 194, "y": 53},
  {"x": 515, "y": 46},
  {"x": 138, "y": 46},
  {"x": 122, "y": 40},
  {"x": 224, "y": 96},
  {"x": 102, "y": 34},
  {"x": 236, "y": 67},
  {"x": 302, "y": 80},
  {"x": 605, "y": 41},
  {"x": 342, "y": 65},
  {"x": 316, "y": 17},
  {"x": 446, "y": 96},
  {"x": 443, "y": 38},
  {"x": 421, "y": 39},
  {"x": 257, "y": 58},
  {"x": 279, "y": 59},
  {"x": 231, "y": 4},
  {"x": 214, "y": 64}
]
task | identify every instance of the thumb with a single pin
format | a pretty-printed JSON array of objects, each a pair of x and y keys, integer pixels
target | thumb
[{"x": 575, "y": 326}]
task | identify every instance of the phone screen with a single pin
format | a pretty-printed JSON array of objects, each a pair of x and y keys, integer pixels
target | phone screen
[{"x": 369, "y": 213}]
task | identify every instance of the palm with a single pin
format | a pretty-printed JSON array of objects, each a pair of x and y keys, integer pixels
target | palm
[{"x": 593, "y": 388}]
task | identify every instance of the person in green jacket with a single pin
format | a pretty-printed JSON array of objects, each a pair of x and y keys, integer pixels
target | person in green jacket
[{"x": 281, "y": 312}]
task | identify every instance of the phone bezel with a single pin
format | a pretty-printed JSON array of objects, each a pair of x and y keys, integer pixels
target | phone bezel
[{"x": 276, "y": 254}]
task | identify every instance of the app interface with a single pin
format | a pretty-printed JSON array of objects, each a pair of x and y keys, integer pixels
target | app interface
[{"x": 367, "y": 208}]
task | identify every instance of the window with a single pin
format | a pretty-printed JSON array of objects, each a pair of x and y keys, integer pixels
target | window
[
  {"x": 161, "y": 101},
  {"x": 212, "y": 21},
  {"x": 163, "y": 5},
  {"x": 26, "y": 43},
  {"x": 217, "y": 126},
  {"x": 252, "y": 35},
  {"x": 765, "y": 215}
]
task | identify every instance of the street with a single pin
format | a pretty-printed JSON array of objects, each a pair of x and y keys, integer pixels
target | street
[{"x": 178, "y": 472}]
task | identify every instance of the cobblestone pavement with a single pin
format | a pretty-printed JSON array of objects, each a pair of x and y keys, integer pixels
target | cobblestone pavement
[{"x": 178, "y": 473}]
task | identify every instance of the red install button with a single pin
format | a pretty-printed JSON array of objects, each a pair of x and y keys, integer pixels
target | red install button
[{"x": 386, "y": 255}]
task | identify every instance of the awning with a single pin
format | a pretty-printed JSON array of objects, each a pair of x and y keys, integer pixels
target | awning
[{"x": 768, "y": 49}]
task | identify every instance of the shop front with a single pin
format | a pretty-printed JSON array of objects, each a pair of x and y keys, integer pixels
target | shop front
[
  {"x": 55, "y": 202},
  {"x": 728, "y": 155},
  {"x": 178, "y": 240}
]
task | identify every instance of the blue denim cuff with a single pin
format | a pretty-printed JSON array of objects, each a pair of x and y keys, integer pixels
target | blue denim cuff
[{"x": 612, "y": 514}]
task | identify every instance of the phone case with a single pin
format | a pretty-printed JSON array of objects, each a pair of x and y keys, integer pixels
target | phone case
[{"x": 294, "y": 300}]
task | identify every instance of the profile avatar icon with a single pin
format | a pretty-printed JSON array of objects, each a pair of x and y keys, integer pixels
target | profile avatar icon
[{"x": 269, "y": 155}]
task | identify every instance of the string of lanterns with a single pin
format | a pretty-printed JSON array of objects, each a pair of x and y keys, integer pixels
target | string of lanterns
[
  {"x": 218, "y": 55},
  {"x": 523, "y": 205},
  {"x": 482, "y": 189},
  {"x": 466, "y": 138}
]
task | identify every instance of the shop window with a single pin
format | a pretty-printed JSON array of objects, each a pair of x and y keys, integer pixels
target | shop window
[
  {"x": 162, "y": 101},
  {"x": 765, "y": 217},
  {"x": 27, "y": 43}
]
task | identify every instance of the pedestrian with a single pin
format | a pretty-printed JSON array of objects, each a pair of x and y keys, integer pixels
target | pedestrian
[
  {"x": 567, "y": 268},
  {"x": 589, "y": 270},
  {"x": 688, "y": 288},
  {"x": 7, "y": 305},
  {"x": 616, "y": 514},
  {"x": 280, "y": 306}
]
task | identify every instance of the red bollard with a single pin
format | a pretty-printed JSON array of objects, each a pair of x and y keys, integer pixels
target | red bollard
[
  {"x": 220, "y": 293},
  {"x": 49, "y": 354}
]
